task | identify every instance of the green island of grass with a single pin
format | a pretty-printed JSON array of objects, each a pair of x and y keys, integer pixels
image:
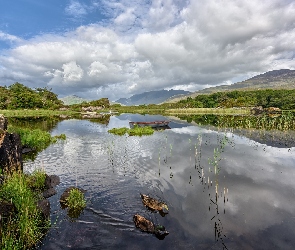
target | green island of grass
[{"x": 136, "y": 131}]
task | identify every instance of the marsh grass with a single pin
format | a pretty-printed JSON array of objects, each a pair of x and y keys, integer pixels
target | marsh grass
[
  {"x": 75, "y": 203},
  {"x": 35, "y": 138},
  {"x": 36, "y": 180},
  {"x": 136, "y": 131},
  {"x": 35, "y": 113},
  {"x": 284, "y": 122},
  {"x": 76, "y": 199},
  {"x": 208, "y": 111},
  {"x": 118, "y": 131},
  {"x": 26, "y": 228}
]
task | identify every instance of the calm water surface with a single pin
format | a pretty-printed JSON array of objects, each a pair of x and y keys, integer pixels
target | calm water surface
[{"x": 223, "y": 190}]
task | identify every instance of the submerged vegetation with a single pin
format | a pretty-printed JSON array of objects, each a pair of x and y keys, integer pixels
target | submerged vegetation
[
  {"x": 25, "y": 228},
  {"x": 139, "y": 131}
]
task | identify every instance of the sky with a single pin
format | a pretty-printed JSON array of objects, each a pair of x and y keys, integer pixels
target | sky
[{"x": 118, "y": 48}]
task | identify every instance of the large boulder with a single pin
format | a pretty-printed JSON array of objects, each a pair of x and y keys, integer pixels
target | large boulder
[{"x": 10, "y": 152}]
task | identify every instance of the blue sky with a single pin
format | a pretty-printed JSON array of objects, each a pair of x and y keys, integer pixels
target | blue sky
[{"x": 117, "y": 48}]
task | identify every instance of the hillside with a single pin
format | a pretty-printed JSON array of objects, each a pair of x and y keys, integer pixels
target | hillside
[
  {"x": 151, "y": 97},
  {"x": 276, "y": 79},
  {"x": 73, "y": 99}
]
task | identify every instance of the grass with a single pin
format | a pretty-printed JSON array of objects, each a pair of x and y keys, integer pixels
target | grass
[
  {"x": 75, "y": 203},
  {"x": 76, "y": 199},
  {"x": 33, "y": 112},
  {"x": 209, "y": 111},
  {"x": 26, "y": 228},
  {"x": 35, "y": 138},
  {"x": 138, "y": 131},
  {"x": 36, "y": 180}
]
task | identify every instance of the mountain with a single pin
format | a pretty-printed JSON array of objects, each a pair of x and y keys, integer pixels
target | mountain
[
  {"x": 275, "y": 79},
  {"x": 151, "y": 97},
  {"x": 73, "y": 99}
]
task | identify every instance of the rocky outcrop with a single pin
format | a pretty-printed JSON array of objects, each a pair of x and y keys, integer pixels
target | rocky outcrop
[
  {"x": 10, "y": 151},
  {"x": 50, "y": 182},
  {"x": 44, "y": 207},
  {"x": 91, "y": 109},
  {"x": 3, "y": 122}
]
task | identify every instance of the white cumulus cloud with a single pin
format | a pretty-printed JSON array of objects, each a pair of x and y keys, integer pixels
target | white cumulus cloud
[{"x": 153, "y": 45}]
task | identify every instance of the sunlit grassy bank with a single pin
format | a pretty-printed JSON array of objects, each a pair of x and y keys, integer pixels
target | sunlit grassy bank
[
  {"x": 35, "y": 113},
  {"x": 24, "y": 228}
]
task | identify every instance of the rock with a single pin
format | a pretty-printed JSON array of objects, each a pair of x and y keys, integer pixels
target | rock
[
  {"x": 3, "y": 122},
  {"x": 91, "y": 108},
  {"x": 49, "y": 192},
  {"x": 11, "y": 152},
  {"x": 7, "y": 210},
  {"x": 2, "y": 178},
  {"x": 51, "y": 181},
  {"x": 273, "y": 110},
  {"x": 26, "y": 149},
  {"x": 257, "y": 110},
  {"x": 44, "y": 206}
]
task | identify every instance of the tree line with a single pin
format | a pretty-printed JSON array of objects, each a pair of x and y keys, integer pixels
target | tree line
[
  {"x": 281, "y": 98},
  {"x": 18, "y": 96}
]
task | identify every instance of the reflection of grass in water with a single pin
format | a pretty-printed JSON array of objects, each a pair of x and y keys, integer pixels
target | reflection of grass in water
[{"x": 284, "y": 122}]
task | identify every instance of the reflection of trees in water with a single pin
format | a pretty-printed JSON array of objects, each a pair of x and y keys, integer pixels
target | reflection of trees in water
[
  {"x": 44, "y": 123},
  {"x": 273, "y": 131},
  {"x": 102, "y": 119}
]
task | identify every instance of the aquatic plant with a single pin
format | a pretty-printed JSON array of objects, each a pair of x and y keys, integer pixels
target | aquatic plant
[
  {"x": 76, "y": 199},
  {"x": 118, "y": 131},
  {"x": 139, "y": 131}
]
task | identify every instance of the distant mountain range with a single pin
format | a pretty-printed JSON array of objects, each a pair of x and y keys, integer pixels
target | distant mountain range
[
  {"x": 73, "y": 99},
  {"x": 152, "y": 97},
  {"x": 275, "y": 79}
]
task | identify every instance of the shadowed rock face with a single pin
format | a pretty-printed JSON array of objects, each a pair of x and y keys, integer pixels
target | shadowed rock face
[
  {"x": 11, "y": 152},
  {"x": 10, "y": 148}
]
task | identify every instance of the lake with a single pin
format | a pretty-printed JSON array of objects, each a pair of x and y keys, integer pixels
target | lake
[{"x": 225, "y": 189}]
